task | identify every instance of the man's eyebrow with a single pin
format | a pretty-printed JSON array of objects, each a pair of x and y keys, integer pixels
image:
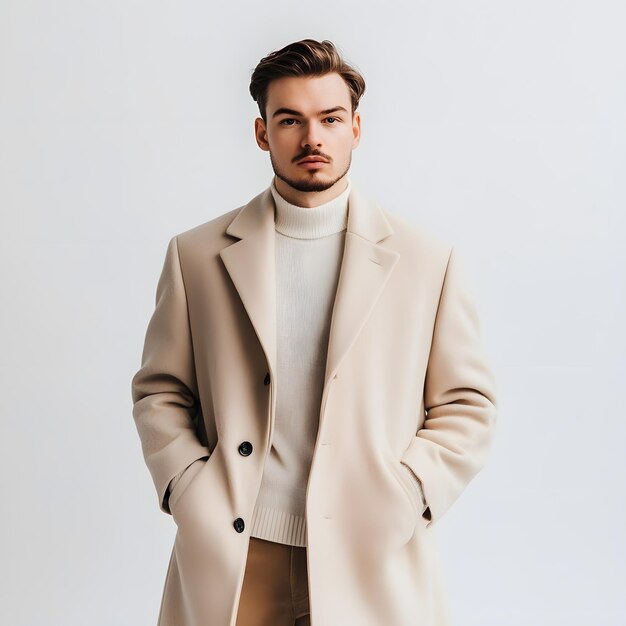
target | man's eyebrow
[{"x": 294, "y": 112}]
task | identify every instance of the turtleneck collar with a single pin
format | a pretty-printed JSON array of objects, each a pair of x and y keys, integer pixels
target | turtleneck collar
[{"x": 311, "y": 222}]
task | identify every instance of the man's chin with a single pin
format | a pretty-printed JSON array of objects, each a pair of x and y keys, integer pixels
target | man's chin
[
  {"x": 310, "y": 183},
  {"x": 311, "y": 187}
]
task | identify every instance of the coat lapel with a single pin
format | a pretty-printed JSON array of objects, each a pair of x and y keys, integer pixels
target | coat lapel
[
  {"x": 365, "y": 268},
  {"x": 251, "y": 265}
]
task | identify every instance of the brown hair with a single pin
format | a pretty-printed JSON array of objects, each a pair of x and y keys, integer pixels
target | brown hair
[{"x": 307, "y": 57}]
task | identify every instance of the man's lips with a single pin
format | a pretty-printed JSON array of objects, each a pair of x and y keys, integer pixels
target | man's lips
[
  {"x": 312, "y": 163},
  {"x": 314, "y": 159}
]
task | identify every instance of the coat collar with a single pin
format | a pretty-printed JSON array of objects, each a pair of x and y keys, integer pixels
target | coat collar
[
  {"x": 365, "y": 217},
  {"x": 365, "y": 268}
]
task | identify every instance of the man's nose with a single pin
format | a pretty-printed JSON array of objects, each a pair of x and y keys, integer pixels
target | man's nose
[{"x": 312, "y": 137}]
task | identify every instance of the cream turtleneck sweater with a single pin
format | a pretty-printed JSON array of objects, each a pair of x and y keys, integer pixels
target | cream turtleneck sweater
[{"x": 309, "y": 246}]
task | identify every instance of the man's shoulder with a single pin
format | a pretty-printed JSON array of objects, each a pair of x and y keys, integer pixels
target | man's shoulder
[
  {"x": 411, "y": 228},
  {"x": 213, "y": 229},
  {"x": 412, "y": 236},
  {"x": 409, "y": 234}
]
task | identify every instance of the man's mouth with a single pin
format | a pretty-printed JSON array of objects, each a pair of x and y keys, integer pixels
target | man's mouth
[
  {"x": 313, "y": 163},
  {"x": 313, "y": 159}
]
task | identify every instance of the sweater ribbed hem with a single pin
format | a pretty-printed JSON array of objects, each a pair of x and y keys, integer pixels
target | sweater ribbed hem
[{"x": 278, "y": 526}]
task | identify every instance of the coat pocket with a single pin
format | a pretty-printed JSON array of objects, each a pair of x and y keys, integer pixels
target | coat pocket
[
  {"x": 416, "y": 490},
  {"x": 184, "y": 481},
  {"x": 412, "y": 489},
  {"x": 402, "y": 477}
]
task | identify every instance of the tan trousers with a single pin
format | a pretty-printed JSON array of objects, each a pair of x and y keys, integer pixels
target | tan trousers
[{"x": 275, "y": 588}]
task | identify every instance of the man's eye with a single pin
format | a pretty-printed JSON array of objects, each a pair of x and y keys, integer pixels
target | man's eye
[
  {"x": 332, "y": 118},
  {"x": 290, "y": 119}
]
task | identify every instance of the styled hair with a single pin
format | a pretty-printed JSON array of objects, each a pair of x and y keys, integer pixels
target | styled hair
[{"x": 307, "y": 57}]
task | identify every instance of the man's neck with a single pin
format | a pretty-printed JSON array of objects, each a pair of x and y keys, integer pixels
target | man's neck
[{"x": 309, "y": 199}]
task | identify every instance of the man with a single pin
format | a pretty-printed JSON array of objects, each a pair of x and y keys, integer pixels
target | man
[{"x": 313, "y": 394}]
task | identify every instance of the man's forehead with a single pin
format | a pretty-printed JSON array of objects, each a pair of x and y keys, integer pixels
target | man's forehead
[{"x": 298, "y": 92}]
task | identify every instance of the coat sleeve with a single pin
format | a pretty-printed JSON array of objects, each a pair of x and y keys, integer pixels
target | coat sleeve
[
  {"x": 164, "y": 390},
  {"x": 459, "y": 399}
]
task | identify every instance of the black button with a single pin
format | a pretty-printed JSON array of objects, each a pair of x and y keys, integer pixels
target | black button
[
  {"x": 239, "y": 525},
  {"x": 267, "y": 379},
  {"x": 245, "y": 448}
]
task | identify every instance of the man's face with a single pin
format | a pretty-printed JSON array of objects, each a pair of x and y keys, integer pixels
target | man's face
[{"x": 309, "y": 116}]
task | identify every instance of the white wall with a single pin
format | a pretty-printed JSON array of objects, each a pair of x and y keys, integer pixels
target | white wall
[{"x": 500, "y": 125}]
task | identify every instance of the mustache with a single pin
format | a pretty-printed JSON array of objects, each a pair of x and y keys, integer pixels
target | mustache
[{"x": 307, "y": 153}]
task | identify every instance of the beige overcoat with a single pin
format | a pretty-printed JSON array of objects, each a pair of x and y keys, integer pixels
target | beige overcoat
[{"x": 407, "y": 385}]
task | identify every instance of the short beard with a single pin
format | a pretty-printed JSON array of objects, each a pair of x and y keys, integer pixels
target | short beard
[{"x": 309, "y": 185}]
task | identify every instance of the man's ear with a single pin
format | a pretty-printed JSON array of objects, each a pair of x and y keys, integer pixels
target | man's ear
[
  {"x": 356, "y": 130},
  {"x": 260, "y": 134}
]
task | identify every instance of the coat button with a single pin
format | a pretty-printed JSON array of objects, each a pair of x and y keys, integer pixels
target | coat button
[
  {"x": 239, "y": 525},
  {"x": 245, "y": 448},
  {"x": 267, "y": 379}
]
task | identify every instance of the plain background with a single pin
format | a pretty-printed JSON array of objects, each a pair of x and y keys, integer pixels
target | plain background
[{"x": 498, "y": 125}]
